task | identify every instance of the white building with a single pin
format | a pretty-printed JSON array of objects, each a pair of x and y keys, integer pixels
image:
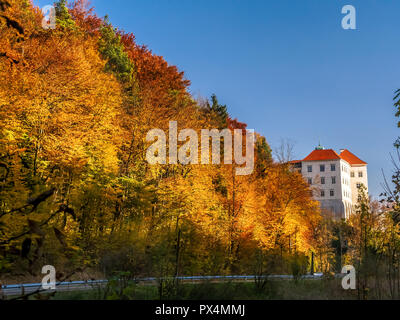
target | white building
[{"x": 334, "y": 179}]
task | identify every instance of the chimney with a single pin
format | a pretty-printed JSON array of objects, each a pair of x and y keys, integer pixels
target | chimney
[{"x": 341, "y": 150}]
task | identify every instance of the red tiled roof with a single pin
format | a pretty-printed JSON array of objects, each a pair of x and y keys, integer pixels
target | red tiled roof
[
  {"x": 318, "y": 155},
  {"x": 294, "y": 161},
  {"x": 330, "y": 154},
  {"x": 351, "y": 158}
]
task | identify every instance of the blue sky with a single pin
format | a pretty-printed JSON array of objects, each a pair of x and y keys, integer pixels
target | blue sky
[{"x": 285, "y": 67}]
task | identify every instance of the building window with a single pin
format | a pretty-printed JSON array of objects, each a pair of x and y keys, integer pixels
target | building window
[
  {"x": 352, "y": 174},
  {"x": 358, "y": 185},
  {"x": 322, "y": 168},
  {"x": 322, "y": 180},
  {"x": 309, "y": 180},
  {"x": 360, "y": 174},
  {"x": 322, "y": 193},
  {"x": 309, "y": 168},
  {"x": 333, "y": 167},
  {"x": 333, "y": 180},
  {"x": 332, "y": 193}
]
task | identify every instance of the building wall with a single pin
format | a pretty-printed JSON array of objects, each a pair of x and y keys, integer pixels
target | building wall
[
  {"x": 316, "y": 176},
  {"x": 341, "y": 200},
  {"x": 347, "y": 195},
  {"x": 357, "y": 169},
  {"x": 334, "y": 207}
]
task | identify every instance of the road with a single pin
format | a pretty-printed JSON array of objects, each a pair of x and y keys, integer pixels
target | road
[{"x": 19, "y": 289}]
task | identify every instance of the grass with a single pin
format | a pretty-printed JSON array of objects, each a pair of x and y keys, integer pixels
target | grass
[{"x": 274, "y": 290}]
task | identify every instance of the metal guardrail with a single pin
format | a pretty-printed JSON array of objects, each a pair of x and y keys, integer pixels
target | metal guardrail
[
  {"x": 64, "y": 283},
  {"x": 88, "y": 283}
]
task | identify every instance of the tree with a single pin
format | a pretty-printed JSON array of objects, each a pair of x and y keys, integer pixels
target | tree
[
  {"x": 63, "y": 18},
  {"x": 219, "y": 111},
  {"x": 76, "y": 104},
  {"x": 112, "y": 50}
]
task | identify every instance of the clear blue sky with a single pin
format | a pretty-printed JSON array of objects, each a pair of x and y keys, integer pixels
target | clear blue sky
[{"x": 285, "y": 67}]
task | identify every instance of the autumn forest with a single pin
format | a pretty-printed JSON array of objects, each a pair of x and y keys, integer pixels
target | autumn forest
[{"x": 76, "y": 191}]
